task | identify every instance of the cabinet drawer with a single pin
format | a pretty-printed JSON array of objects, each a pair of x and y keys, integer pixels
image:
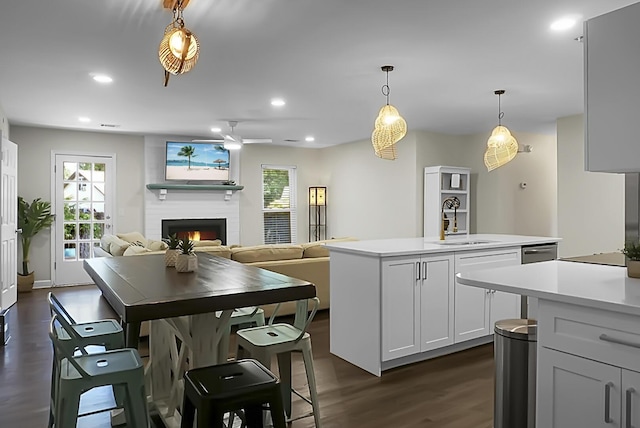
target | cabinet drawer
[{"x": 597, "y": 334}]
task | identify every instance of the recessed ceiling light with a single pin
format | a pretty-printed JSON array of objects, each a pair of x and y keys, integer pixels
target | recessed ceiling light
[
  {"x": 216, "y": 129},
  {"x": 309, "y": 139},
  {"x": 277, "y": 102},
  {"x": 84, "y": 119},
  {"x": 563, "y": 24},
  {"x": 102, "y": 78}
]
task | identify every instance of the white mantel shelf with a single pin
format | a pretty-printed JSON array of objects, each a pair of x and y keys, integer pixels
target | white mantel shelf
[{"x": 175, "y": 186}]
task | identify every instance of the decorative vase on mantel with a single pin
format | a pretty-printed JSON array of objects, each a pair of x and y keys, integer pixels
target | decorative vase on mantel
[
  {"x": 171, "y": 256},
  {"x": 187, "y": 263},
  {"x": 633, "y": 268}
]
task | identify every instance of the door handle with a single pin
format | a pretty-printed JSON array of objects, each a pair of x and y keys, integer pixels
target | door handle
[
  {"x": 18, "y": 230},
  {"x": 607, "y": 402},
  {"x": 629, "y": 396}
]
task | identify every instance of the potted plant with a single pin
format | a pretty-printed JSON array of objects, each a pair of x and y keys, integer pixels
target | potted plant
[
  {"x": 632, "y": 251},
  {"x": 187, "y": 260},
  {"x": 171, "y": 255},
  {"x": 32, "y": 218}
]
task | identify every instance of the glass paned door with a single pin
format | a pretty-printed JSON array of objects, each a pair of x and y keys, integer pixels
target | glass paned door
[{"x": 82, "y": 186}]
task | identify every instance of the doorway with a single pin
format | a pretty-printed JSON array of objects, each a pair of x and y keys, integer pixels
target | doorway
[{"x": 83, "y": 200}]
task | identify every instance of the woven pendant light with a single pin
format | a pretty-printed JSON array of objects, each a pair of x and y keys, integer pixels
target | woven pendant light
[
  {"x": 179, "y": 48},
  {"x": 389, "y": 127},
  {"x": 502, "y": 147}
]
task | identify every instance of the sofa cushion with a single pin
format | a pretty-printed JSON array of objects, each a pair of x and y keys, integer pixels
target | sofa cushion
[
  {"x": 133, "y": 237},
  {"x": 154, "y": 245},
  {"x": 205, "y": 243},
  {"x": 134, "y": 250},
  {"x": 106, "y": 241},
  {"x": 318, "y": 249},
  {"x": 217, "y": 250},
  {"x": 264, "y": 253},
  {"x": 118, "y": 247}
]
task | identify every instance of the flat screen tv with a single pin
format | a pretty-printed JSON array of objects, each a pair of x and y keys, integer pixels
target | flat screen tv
[{"x": 196, "y": 162}]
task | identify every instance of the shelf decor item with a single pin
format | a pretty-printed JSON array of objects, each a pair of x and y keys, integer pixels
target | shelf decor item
[
  {"x": 187, "y": 260},
  {"x": 632, "y": 251},
  {"x": 33, "y": 218},
  {"x": 171, "y": 255}
]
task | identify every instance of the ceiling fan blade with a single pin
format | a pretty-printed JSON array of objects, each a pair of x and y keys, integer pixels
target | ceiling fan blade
[
  {"x": 257, "y": 140},
  {"x": 208, "y": 141}
]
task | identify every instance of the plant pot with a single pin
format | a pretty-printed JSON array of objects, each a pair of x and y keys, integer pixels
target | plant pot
[
  {"x": 170, "y": 257},
  {"x": 25, "y": 283},
  {"x": 187, "y": 263},
  {"x": 633, "y": 268}
]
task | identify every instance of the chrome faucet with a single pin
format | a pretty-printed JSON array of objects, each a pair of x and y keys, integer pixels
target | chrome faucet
[{"x": 449, "y": 203}]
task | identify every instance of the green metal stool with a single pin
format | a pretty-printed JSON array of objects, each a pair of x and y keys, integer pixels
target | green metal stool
[
  {"x": 252, "y": 316},
  {"x": 282, "y": 339},
  {"x": 99, "y": 335},
  {"x": 78, "y": 374}
]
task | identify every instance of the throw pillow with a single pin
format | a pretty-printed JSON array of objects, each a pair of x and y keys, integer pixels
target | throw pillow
[
  {"x": 154, "y": 245},
  {"x": 134, "y": 250},
  {"x": 118, "y": 247},
  {"x": 106, "y": 241},
  {"x": 133, "y": 237}
]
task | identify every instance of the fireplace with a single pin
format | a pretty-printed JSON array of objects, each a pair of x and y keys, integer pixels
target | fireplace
[{"x": 196, "y": 229}]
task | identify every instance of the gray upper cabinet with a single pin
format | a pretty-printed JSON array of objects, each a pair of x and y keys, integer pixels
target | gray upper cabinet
[{"x": 612, "y": 91}]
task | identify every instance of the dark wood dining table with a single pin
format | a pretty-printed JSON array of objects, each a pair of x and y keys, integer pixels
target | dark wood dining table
[{"x": 184, "y": 306}]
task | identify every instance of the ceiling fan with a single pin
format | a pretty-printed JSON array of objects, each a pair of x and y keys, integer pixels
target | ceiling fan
[{"x": 232, "y": 141}]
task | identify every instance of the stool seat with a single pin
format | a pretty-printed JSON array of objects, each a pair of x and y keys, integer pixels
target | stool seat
[{"x": 216, "y": 390}]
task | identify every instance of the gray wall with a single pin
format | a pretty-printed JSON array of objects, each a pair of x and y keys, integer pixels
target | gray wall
[{"x": 35, "y": 146}]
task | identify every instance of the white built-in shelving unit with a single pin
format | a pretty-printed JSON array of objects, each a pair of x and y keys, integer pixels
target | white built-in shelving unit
[{"x": 440, "y": 183}]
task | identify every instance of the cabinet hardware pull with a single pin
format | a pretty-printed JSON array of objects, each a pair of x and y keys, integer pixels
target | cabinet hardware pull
[
  {"x": 629, "y": 395},
  {"x": 607, "y": 402},
  {"x": 607, "y": 338},
  {"x": 424, "y": 270},
  {"x": 538, "y": 251},
  {"x": 418, "y": 269}
]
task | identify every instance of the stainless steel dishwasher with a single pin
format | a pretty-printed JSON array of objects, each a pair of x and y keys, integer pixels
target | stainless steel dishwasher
[{"x": 535, "y": 254}]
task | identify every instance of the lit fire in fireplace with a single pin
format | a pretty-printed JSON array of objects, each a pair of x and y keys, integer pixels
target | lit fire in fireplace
[{"x": 194, "y": 235}]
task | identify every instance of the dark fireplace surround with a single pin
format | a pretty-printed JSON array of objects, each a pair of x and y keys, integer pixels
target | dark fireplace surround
[{"x": 202, "y": 229}]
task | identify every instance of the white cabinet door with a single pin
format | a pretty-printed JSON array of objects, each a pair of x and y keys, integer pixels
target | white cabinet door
[
  {"x": 631, "y": 399},
  {"x": 400, "y": 307},
  {"x": 576, "y": 392},
  {"x": 473, "y": 305},
  {"x": 436, "y": 297},
  {"x": 612, "y": 93}
]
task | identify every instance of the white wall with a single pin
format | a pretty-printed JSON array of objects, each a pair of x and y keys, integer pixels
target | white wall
[
  {"x": 34, "y": 177},
  {"x": 308, "y": 163},
  {"x": 590, "y": 204},
  {"x": 499, "y": 203}
]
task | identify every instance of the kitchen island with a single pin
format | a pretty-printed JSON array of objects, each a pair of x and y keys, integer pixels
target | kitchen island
[
  {"x": 588, "y": 372},
  {"x": 396, "y": 301}
]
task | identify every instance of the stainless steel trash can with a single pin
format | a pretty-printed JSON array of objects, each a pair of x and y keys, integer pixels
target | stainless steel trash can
[{"x": 515, "y": 377}]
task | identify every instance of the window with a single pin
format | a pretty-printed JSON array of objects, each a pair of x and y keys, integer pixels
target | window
[{"x": 279, "y": 204}]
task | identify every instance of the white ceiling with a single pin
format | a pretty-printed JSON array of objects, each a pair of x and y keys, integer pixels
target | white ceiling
[{"x": 322, "y": 56}]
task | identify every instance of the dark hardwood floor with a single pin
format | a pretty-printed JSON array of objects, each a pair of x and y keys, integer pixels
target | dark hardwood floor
[{"x": 455, "y": 391}]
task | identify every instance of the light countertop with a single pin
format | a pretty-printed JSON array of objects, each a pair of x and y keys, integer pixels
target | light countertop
[
  {"x": 411, "y": 246},
  {"x": 591, "y": 285}
]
